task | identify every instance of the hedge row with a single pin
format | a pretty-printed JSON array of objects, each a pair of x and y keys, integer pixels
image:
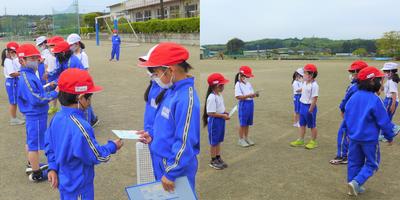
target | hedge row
[{"x": 180, "y": 25}]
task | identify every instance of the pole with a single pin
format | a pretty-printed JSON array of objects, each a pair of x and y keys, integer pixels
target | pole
[{"x": 97, "y": 33}]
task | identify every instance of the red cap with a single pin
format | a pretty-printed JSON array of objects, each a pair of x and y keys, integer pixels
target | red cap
[
  {"x": 165, "y": 54},
  {"x": 77, "y": 81},
  {"x": 62, "y": 46},
  {"x": 216, "y": 79},
  {"x": 55, "y": 39},
  {"x": 357, "y": 65},
  {"x": 310, "y": 68},
  {"x": 12, "y": 45},
  {"x": 369, "y": 72},
  {"x": 27, "y": 50},
  {"x": 246, "y": 70},
  {"x": 115, "y": 31}
]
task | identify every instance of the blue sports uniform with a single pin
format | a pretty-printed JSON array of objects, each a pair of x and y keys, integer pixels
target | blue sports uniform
[
  {"x": 12, "y": 88},
  {"x": 116, "y": 41},
  {"x": 365, "y": 115},
  {"x": 176, "y": 137},
  {"x": 33, "y": 103},
  {"x": 72, "y": 151},
  {"x": 342, "y": 138},
  {"x": 72, "y": 62},
  {"x": 41, "y": 72},
  {"x": 151, "y": 111}
]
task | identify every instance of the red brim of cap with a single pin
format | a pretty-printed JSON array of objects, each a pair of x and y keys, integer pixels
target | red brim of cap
[
  {"x": 249, "y": 75},
  {"x": 223, "y": 82},
  {"x": 95, "y": 89},
  {"x": 380, "y": 74}
]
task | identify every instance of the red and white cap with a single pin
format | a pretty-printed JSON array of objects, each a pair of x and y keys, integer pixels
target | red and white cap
[
  {"x": 73, "y": 38},
  {"x": 27, "y": 50},
  {"x": 369, "y": 73},
  {"x": 164, "y": 54},
  {"x": 310, "y": 68},
  {"x": 62, "y": 46},
  {"x": 247, "y": 71},
  {"x": 216, "y": 79},
  {"x": 55, "y": 39},
  {"x": 77, "y": 81},
  {"x": 12, "y": 45},
  {"x": 357, "y": 65},
  {"x": 40, "y": 40}
]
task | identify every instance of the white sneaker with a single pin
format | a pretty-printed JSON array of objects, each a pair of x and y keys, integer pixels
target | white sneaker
[
  {"x": 297, "y": 124},
  {"x": 250, "y": 142},
  {"x": 243, "y": 143},
  {"x": 16, "y": 121}
]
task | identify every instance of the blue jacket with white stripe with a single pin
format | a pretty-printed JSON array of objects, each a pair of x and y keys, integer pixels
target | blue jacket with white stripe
[
  {"x": 115, "y": 40},
  {"x": 72, "y": 150},
  {"x": 32, "y": 99},
  {"x": 349, "y": 92},
  {"x": 177, "y": 128},
  {"x": 151, "y": 108},
  {"x": 73, "y": 62},
  {"x": 365, "y": 116}
]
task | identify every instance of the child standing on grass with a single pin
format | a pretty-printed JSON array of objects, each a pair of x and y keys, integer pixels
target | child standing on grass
[
  {"x": 214, "y": 116},
  {"x": 342, "y": 138},
  {"x": 244, "y": 92},
  {"x": 296, "y": 84},
  {"x": 390, "y": 88},
  {"x": 365, "y": 116},
  {"x": 11, "y": 73},
  {"x": 308, "y": 108}
]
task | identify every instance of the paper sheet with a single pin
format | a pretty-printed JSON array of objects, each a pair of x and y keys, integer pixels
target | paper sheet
[{"x": 126, "y": 134}]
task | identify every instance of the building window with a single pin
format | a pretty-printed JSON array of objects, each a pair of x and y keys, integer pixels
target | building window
[
  {"x": 191, "y": 10},
  {"x": 147, "y": 15},
  {"x": 174, "y": 11},
  {"x": 139, "y": 16},
  {"x": 165, "y": 13}
]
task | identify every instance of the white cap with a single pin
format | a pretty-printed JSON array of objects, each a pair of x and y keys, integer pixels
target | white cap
[
  {"x": 300, "y": 71},
  {"x": 73, "y": 38},
  {"x": 390, "y": 66},
  {"x": 40, "y": 40}
]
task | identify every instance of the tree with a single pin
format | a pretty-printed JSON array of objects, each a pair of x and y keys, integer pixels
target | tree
[
  {"x": 89, "y": 19},
  {"x": 235, "y": 46},
  {"x": 389, "y": 44},
  {"x": 360, "y": 52}
]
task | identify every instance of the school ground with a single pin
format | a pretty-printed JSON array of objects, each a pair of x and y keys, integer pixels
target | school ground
[{"x": 269, "y": 170}]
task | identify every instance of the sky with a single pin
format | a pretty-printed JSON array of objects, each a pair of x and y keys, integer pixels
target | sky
[
  {"x": 39, "y": 7},
  {"x": 222, "y": 20}
]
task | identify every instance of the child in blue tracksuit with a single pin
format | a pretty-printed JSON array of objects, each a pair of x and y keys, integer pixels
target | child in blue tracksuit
[
  {"x": 214, "y": 117},
  {"x": 297, "y": 83},
  {"x": 175, "y": 141},
  {"x": 342, "y": 138},
  {"x": 33, "y": 103},
  {"x": 116, "y": 42},
  {"x": 365, "y": 116},
  {"x": 71, "y": 147}
]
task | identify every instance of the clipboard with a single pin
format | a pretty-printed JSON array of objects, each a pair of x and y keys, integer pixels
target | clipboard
[
  {"x": 155, "y": 191},
  {"x": 126, "y": 134}
]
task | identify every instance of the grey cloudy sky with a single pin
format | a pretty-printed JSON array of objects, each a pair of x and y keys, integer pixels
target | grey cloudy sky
[
  {"x": 37, "y": 7},
  {"x": 222, "y": 20}
]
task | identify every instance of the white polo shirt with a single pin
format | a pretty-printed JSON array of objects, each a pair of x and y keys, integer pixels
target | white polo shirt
[
  {"x": 215, "y": 103},
  {"x": 49, "y": 60},
  {"x": 296, "y": 86},
  {"x": 83, "y": 57},
  {"x": 308, "y": 91},
  {"x": 10, "y": 67},
  {"x": 242, "y": 89},
  {"x": 389, "y": 87}
]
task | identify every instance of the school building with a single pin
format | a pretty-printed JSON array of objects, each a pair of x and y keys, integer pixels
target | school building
[{"x": 143, "y": 10}]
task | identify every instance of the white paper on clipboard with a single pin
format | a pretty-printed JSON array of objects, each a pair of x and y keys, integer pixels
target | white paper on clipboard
[
  {"x": 126, "y": 134},
  {"x": 234, "y": 109}
]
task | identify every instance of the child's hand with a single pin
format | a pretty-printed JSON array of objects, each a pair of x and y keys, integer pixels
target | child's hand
[
  {"x": 226, "y": 117},
  {"x": 53, "y": 179},
  {"x": 310, "y": 110},
  {"x": 392, "y": 108},
  {"x": 119, "y": 143},
  {"x": 342, "y": 114},
  {"x": 167, "y": 184},
  {"x": 144, "y": 137}
]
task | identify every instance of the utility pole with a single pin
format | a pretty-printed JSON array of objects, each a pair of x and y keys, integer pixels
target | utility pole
[{"x": 162, "y": 9}]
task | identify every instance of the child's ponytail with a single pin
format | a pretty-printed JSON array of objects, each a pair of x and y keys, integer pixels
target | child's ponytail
[
  {"x": 236, "y": 78},
  {"x": 160, "y": 96},
  {"x": 146, "y": 93},
  {"x": 395, "y": 76},
  {"x": 3, "y": 56},
  {"x": 205, "y": 115},
  {"x": 294, "y": 76}
]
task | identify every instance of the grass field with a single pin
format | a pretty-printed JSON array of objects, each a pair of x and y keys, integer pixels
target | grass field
[{"x": 269, "y": 170}]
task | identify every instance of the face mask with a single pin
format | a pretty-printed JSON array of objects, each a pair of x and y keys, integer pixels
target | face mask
[
  {"x": 73, "y": 47},
  {"x": 350, "y": 77},
  {"x": 42, "y": 48},
  {"x": 161, "y": 84},
  {"x": 32, "y": 64},
  {"x": 115, "y": 34}
]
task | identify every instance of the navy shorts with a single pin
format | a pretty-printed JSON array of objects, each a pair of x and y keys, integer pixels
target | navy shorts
[
  {"x": 11, "y": 88},
  {"x": 306, "y": 118},
  {"x": 296, "y": 103},
  {"x": 35, "y": 129},
  {"x": 216, "y": 130},
  {"x": 246, "y": 112}
]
